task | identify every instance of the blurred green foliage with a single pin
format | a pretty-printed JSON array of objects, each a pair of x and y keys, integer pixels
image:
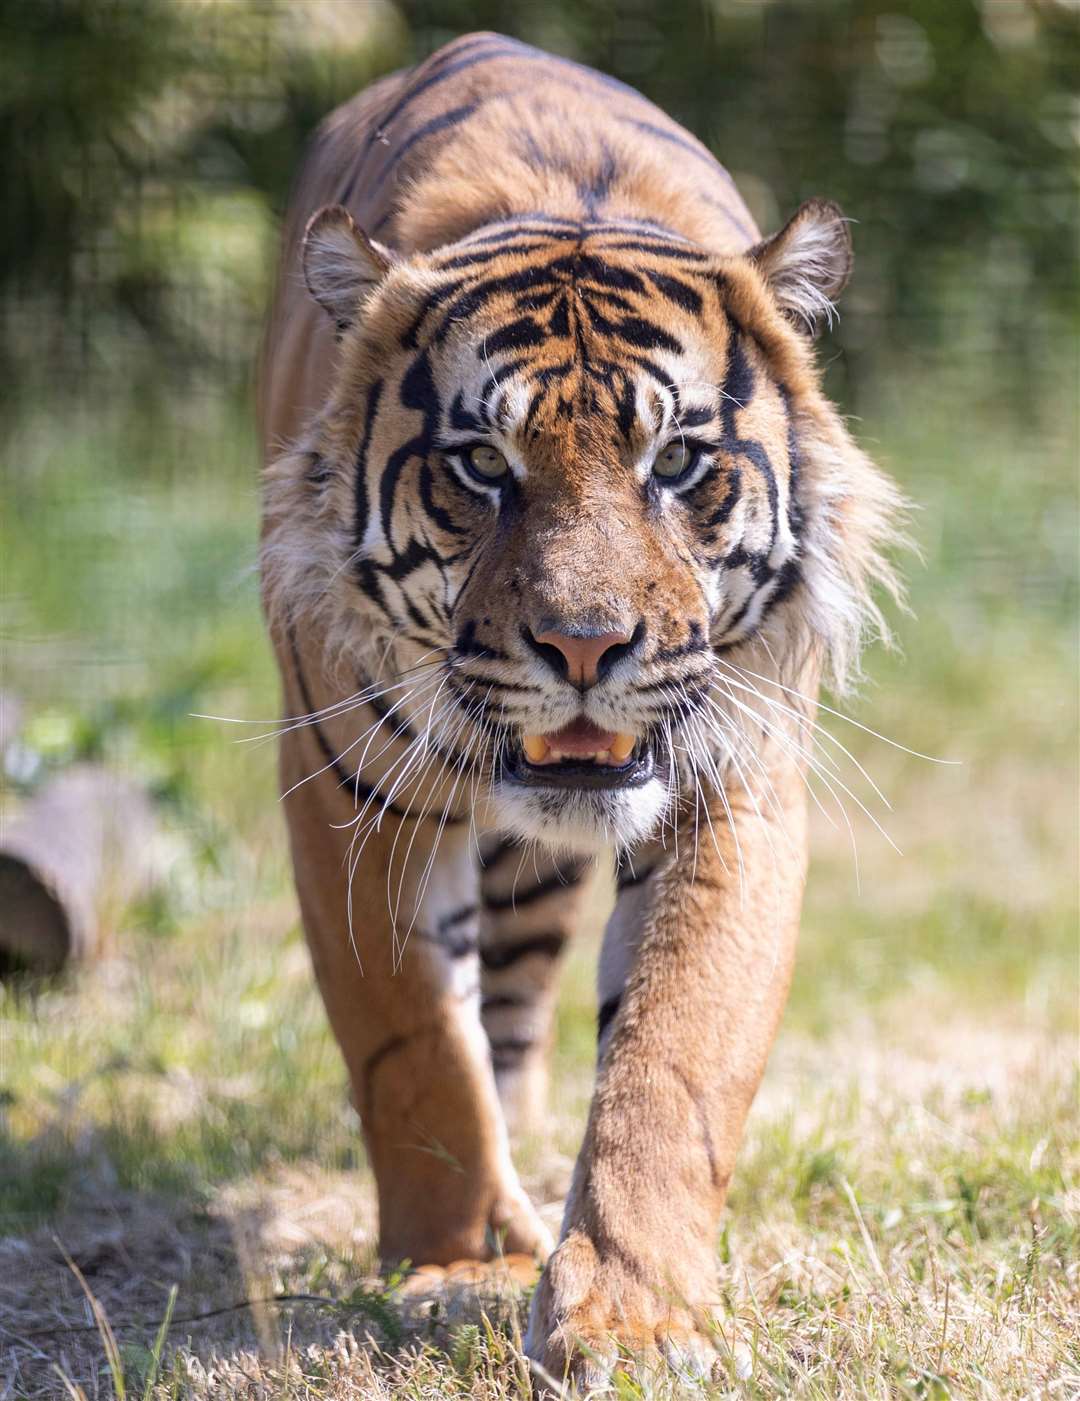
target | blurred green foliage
[{"x": 146, "y": 147}]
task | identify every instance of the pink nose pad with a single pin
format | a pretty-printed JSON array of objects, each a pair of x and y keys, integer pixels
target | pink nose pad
[{"x": 583, "y": 655}]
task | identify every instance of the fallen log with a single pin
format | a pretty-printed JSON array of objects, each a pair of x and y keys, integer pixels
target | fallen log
[{"x": 72, "y": 857}]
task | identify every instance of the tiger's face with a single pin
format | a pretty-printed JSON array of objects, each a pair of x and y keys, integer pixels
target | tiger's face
[{"x": 564, "y": 462}]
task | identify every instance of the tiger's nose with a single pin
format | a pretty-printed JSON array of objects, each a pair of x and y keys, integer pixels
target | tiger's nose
[{"x": 582, "y": 655}]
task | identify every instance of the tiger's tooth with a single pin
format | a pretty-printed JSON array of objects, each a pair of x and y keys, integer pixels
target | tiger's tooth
[
  {"x": 602, "y": 756},
  {"x": 535, "y": 747},
  {"x": 622, "y": 747}
]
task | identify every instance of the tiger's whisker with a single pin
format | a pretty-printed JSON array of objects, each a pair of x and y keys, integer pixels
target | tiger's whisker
[
  {"x": 839, "y": 714},
  {"x": 807, "y": 722},
  {"x": 792, "y": 747},
  {"x": 368, "y": 734}
]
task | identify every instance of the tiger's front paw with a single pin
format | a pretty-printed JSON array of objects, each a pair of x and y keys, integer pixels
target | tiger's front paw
[{"x": 596, "y": 1314}]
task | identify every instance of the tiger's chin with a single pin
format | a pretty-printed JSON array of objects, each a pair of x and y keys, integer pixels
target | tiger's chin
[{"x": 581, "y": 819}]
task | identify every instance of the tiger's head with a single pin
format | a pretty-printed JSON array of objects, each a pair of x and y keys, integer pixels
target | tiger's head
[{"x": 577, "y": 463}]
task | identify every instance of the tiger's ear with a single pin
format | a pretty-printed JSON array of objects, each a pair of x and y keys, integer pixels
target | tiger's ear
[
  {"x": 807, "y": 264},
  {"x": 342, "y": 266}
]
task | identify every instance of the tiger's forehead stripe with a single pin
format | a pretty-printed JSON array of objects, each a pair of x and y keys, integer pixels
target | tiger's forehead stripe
[
  {"x": 593, "y": 311},
  {"x": 520, "y": 238}
]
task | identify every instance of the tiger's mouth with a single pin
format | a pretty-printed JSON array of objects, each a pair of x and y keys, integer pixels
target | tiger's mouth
[{"x": 581, "y": 755}]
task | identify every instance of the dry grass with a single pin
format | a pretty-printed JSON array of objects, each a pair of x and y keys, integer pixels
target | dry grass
[{"x": 900, "y": 1227}]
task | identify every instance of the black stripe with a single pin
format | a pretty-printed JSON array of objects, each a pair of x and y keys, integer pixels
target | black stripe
[
  {"x": 795, "y": 510},
  {"x": 685, "y": 143},
  {"x": 508, "y": 1054},
  {"x": 360, "y": 492},
  {"x": 625, "y": 406},
  {"x": 787, "y": 581},
  {"x": 401, "y": 727},
  {"x": 443, "y": 122},
  {"x": 452, "y": 940},
  {"x": 510, "y": 688},
  {"x": 498, "y": 959},
  {"x": 587, "y": 267},
  {"x": 460, "y": 947},
  {"x": 539, "y": 224},
  {"x": 433, "y": 65},
  {"x": 614, "y": 300},
  {"x": 652, "y": 369},
  {"x": 477, "y": 296},
  {"x": 501, "y": 247},
  {"x": 456, "y": 917},
  {"x": 410, "y": 337},
  {"x": 559, "y": 880},
  {"x": 381, "y": 1053},
  {"x": 606, "y": 1013},
  {"x": 359, "y": 788},
  {"x": 438, "y": 514},
  {"x": 417, "y": 391},
  {"x": 644, "y": 335},
  {"x": 443, "y": 66},
  {"x": 740, "y": 384},
  {"x": 499, "y": 852},
  {"x": 648, "y": 687},
  {"x": 790, "y": 575},
  {"x": 463, "y": 420},
  {"x": 738, "y": 391},
  {"x": 505, "y": 1002},
  {"x": 728, "y": 624},
  {"x": 661, "y": 249},
  {"x": 544, "y": 228},
  {"x": 447, "y": 52},
  {"x": 627, "y": 878},
  {"x": 466, "y": 645},
  {"x": 498, "y": 48},
  {"x": 677, "y": 291},
  {"x": 730, "y": 501},
  {"x": 685, "y": 649},
  {"x": 523, "y": 334}
]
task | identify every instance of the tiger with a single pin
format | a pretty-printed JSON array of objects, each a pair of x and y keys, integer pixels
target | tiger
[{"x": 560, "y": 537}]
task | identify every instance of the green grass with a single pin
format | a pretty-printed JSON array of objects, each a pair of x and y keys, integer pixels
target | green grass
[{"x": 905, "y": 1218}]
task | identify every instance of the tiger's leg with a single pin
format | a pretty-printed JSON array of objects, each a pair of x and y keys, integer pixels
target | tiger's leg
[
  {"x": 694, "y": 976},
  {"x": 531, "y": 902},
  {"x": 406, "y": 1013}
]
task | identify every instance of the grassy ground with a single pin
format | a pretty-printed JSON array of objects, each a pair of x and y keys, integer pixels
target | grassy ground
[{"x": 906, "y": 1217}]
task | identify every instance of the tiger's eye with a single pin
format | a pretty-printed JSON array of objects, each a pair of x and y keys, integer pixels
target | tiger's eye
[
  {"x": 488, "y": 462},
  {"x": 672, "y": 461}
]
